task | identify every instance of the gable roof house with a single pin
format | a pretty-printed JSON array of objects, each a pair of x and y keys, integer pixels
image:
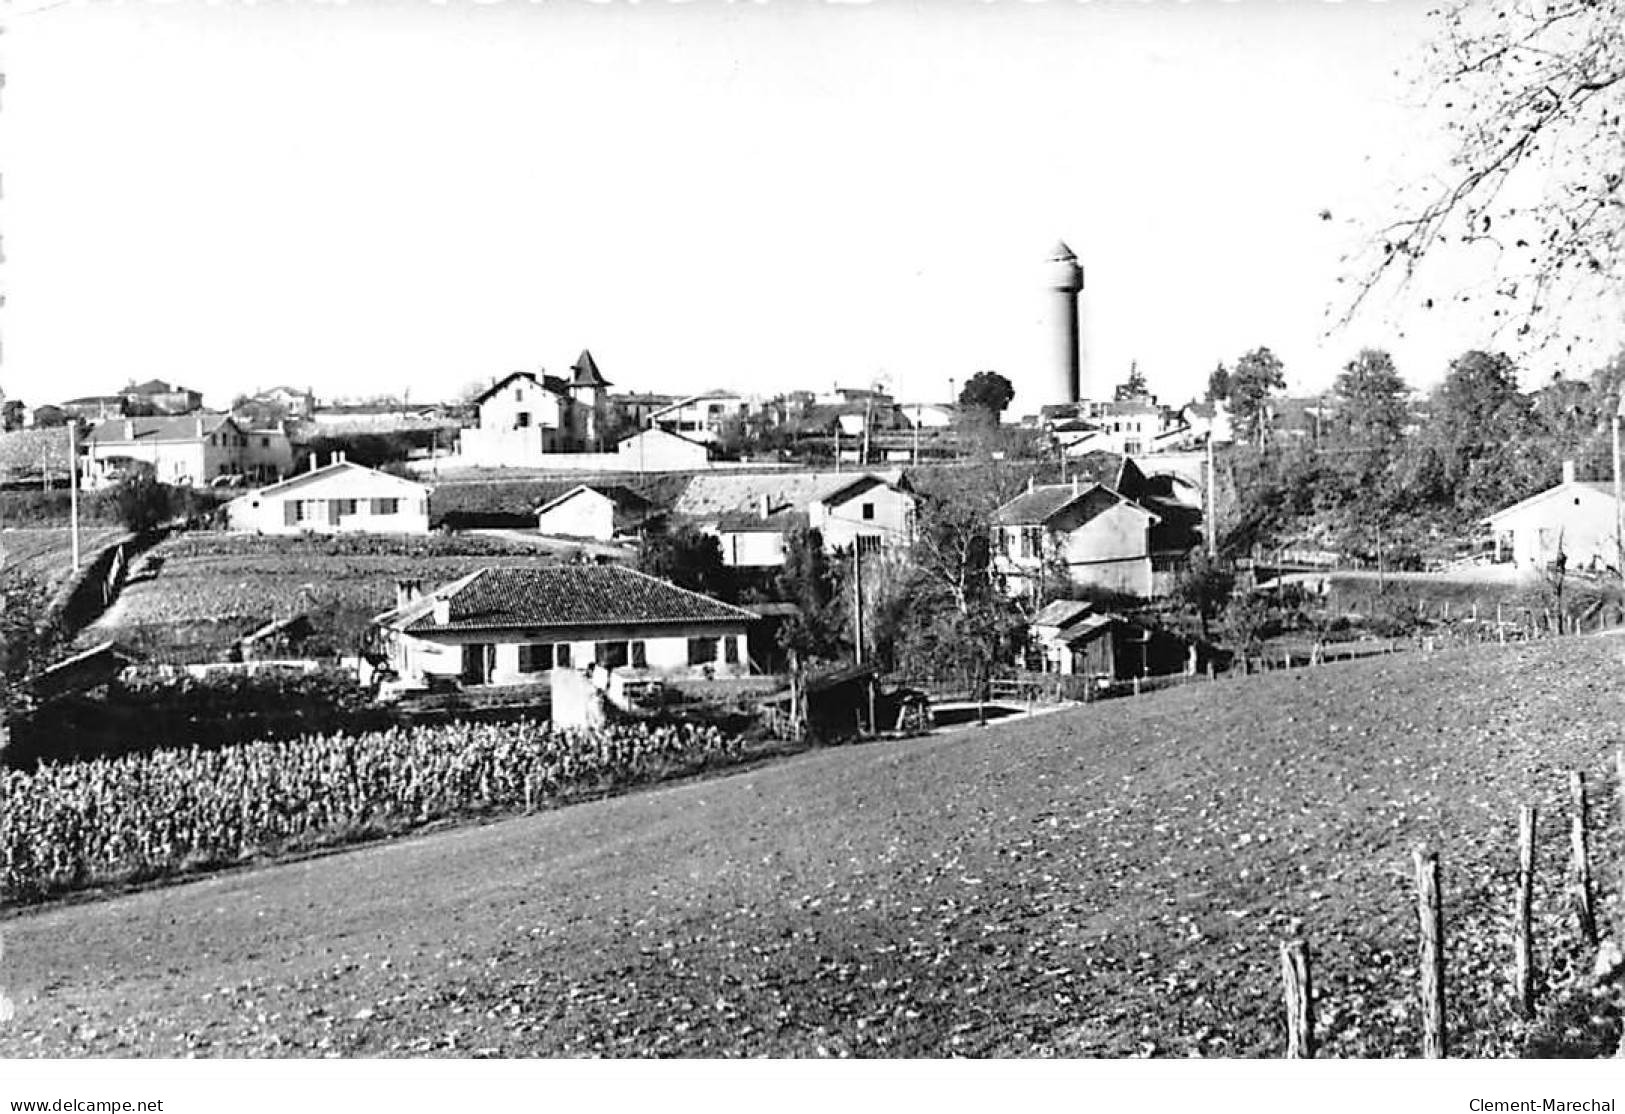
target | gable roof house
[
  {"x": 191, "y": 450},
  {"x": 1577, "y": 519},
  {"x": 752, "y": 514},
  {"x": 599, "y": 511},
  {"x": 340, "y": 497},
  {"x": 502, "y": 626},
  {"x": 1110, "y": 527},
  {"x": 525, "y": 416}
]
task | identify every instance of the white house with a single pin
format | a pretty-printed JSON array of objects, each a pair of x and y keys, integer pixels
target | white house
[
  {"x": 752, "y": 513},
  {"x": 1577, "y": 518},
  {"x": 656, "y": 450},
  {"x": 525, "y": 417},
  {"x": 340, "y": 497},
  {"x": 502, "y": 626},
  {"x": 191, "y": 450},
  {"x": 701, "y": 418},
  {"x": 598, "y": 511},
  {"x": 1083, "y": 532}
]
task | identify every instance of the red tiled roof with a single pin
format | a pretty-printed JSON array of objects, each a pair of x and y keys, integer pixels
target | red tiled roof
[{"x": 559, "y": 596}]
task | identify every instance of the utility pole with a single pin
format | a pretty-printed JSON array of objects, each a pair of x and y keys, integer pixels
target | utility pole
[
  {"x": 1619, "y": 512},
  {"x": 857, "y": 610},
  {"x": 73, "y": 492},
  {"x": 917, "y": 434},
  {"x": 1212, "y": 503}
]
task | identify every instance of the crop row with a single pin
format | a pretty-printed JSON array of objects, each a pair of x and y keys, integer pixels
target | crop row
[{"x": 64, "y": 827}]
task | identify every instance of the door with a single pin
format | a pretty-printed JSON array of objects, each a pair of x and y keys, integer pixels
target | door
[{"x": 477, "y": 663}]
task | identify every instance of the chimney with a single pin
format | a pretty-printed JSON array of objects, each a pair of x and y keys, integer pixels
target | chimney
[
  {"x": 339, "y": 456},
  {"x": 199, "y": 426},
  {"x": 1030, "y": 484},
  {"x": 408, "y": 591},
  {"x": 442, "y": 611},
  {"x": 129, "y": 430},
  {"x": 1568, "y": 471},
  {"x": 1074, "y": 485},
  {"x": 764, "y": 506}
]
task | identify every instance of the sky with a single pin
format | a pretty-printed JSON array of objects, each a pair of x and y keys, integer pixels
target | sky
[{"x": 409, "y": 197}]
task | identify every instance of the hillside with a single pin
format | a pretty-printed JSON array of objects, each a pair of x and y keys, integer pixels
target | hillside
[{"x": 1108, "y": 881}]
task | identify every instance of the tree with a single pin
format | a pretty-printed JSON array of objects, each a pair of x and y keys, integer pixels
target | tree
[
  {"x": 30, "y": 639},
  {"x": 1532, "y": 97},
  {"x": 986, "y": 395},
  {"x": 1371, "y": 400},
  {"x": 142, "y": 502},
  {"x": 1204, "y": 588},
  {"x": 810, "y": 581},
  {"x": 1218, "y": 384},
  {"x": 689, "y": 558},
  {"x": 1258, "y": 374},
  {"x": 1134, "y": 387}
]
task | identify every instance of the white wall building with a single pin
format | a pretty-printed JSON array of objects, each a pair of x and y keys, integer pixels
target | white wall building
[
  {"x": 1576, "y": 518},
  {"x": 503, "y": 626},
  {"x": 338, "y": 498}
]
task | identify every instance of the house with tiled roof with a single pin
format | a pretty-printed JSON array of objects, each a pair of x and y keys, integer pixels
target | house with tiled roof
[
  {"x": 752, "y": 513},
  {"x": 189, "y": 451},
  {"x": 1109, "y": 527},
  {"x": 502, "y": 626},
  {"x": 1577, "y": 519}
]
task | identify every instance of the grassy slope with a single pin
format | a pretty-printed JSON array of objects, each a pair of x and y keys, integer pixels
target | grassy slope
[
  {"x": 46, "y": 552},
  {"x": 1107, "y": 881}
]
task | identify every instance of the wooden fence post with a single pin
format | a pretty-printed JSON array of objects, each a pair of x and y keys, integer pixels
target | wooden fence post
[
  {"x": 1619, "y": 783},
  {"x": 1523, "y": 977},
  {"x": 1300, "y": 1006},
  {"x": 1581, "y": 861},
  {"x": 1430, "y": 914}
]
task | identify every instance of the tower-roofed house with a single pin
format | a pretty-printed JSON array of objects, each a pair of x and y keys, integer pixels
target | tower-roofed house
[
  {"x": 526, "y": 416},
  {"x": 340, "y": 497},
  {"x": 191, "y": 450},
  {"x": 589, "y": 394},
  {"x": 512, "y": 625}
]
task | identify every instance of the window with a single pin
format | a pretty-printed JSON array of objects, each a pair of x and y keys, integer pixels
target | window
[
  {"x": 386, "y": 506},
  {"x": 702, "y": 651},
  {"x": 868, "y": 512},
  {"x": 304, "y": 510},
  {"x": 610, "y": 655},
  {"x": 1032, "y": 541},
  {"x": 265, "y": 442},
  {"x": 867, "y": 544},
  {"x": 535, "y": 657},
  {"x": 640, "y": 655},
  {"x": 522, "y": 419},
  {"x": 730, "y": 650},
  {"x": 561, "y": 655},
  {"x": 346, "y": 506}
]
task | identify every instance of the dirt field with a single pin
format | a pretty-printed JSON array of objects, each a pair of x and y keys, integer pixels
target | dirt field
[
  {"x": 47, "y": 552},
  {"x": 1110, "y": 881}
]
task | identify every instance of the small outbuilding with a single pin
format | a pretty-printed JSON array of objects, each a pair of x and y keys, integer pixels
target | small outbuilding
[
  {"x": 598, "y": 511},
  {"x": 1577, "y": 520}
]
